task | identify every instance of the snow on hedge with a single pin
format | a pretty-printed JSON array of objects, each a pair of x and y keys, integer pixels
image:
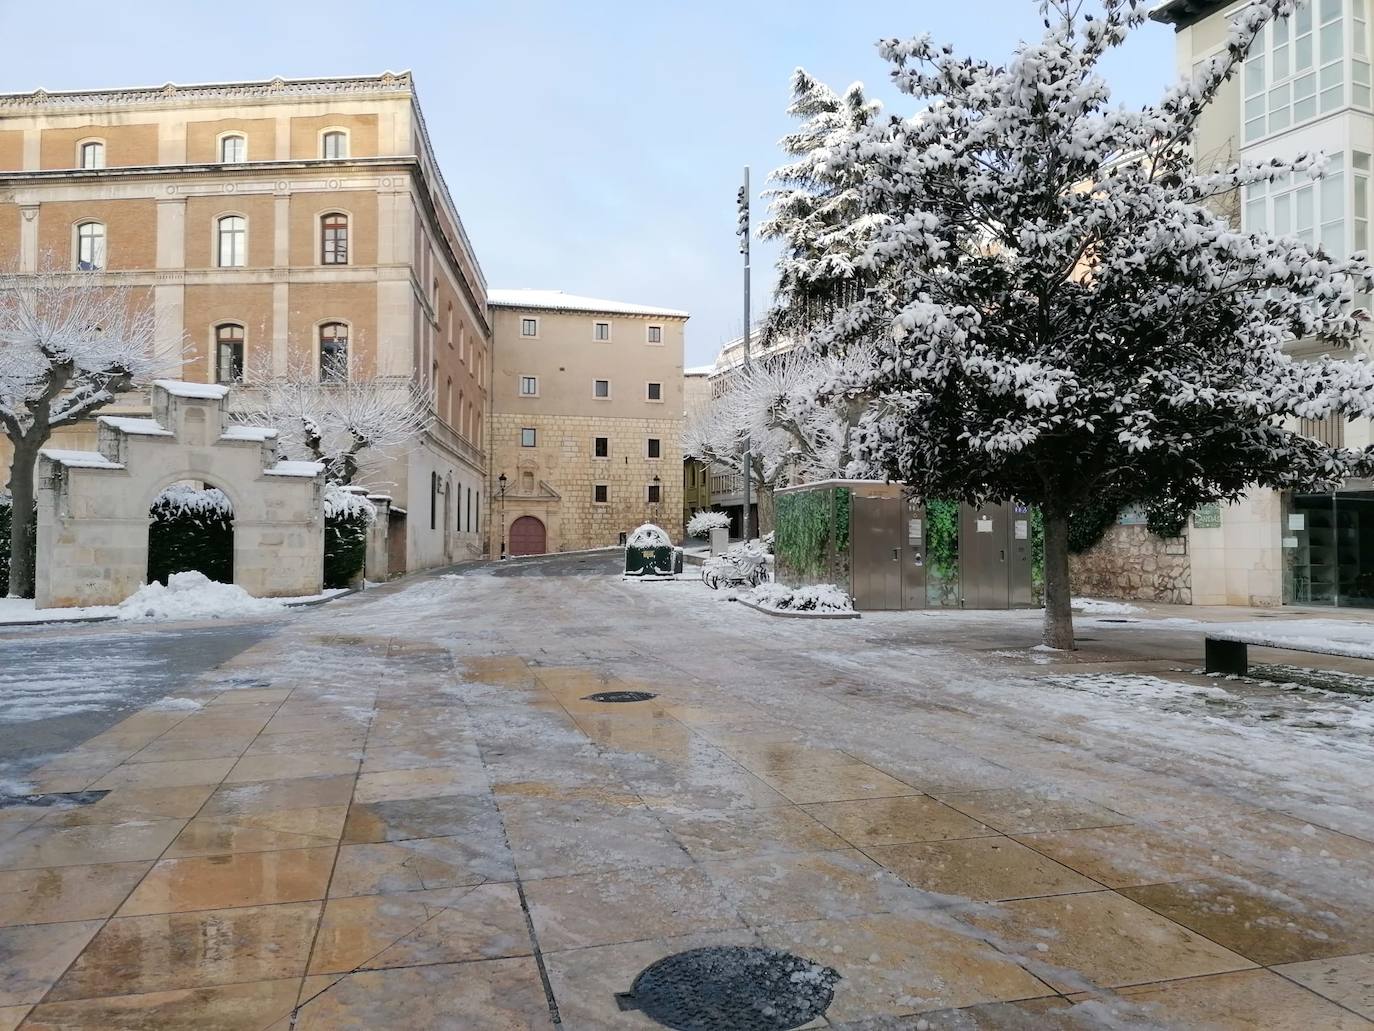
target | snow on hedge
[
  {"x": 818, "y": 598},
  {"x": 340, "y": 503},
  {"x": 650, "y": 536},
  {"x": 193, "y": 595},
  {"x": 183, "y": 499},
  {"x": 703, "y": 522}
]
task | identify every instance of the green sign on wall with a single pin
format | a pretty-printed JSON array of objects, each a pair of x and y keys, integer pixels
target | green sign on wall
[{"x": 1207, "y": 517}]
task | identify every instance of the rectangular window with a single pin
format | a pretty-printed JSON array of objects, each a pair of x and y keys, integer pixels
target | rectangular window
[
  {"x": 529, "y": 327},
  {"x": 601, "y": 494},
  {"x": 469, "y": 510},
  {"x": 529, "y": 386},
  {"x": 601, "y": 388},
  {"x": 527, "y": 437},
  {"x": 601, "y": 331},
  {"x": 601, "y": 447},
  {"x": 655, "y": 493},
  {"x": 655, "y": 334},
  {"x": 655, "y": 392},
  {"x": 1297, "y": 68},
  {"x": 433, "y": 499},
  {"x": 655, "y": 448}
]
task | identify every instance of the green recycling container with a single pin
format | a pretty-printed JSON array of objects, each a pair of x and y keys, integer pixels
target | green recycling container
[{"x": 659, "y": 561}]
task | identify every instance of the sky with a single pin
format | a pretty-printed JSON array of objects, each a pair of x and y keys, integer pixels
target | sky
[{"x": 590, "y": 146}]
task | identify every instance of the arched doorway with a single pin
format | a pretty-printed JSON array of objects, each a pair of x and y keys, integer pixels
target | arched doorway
[
  {"x": 191, "y": 527},
  {"x": 527, "y": 536}
]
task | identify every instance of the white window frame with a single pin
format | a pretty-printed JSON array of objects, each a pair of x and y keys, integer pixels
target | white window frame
[
  {"x": 649, "y": 334},
  {"x": 520, "y": 385},
  {"x": 533, "y": 432},
  {"x": 99, "y": 151},
  {"x": 347, "y": 143},
  {"x": 1313, "y": 211},
  {"x": 596, "y": 331},
  {"x": 607, "y": 439},
  {"x": 650, "y": 457},
  {"x": 219, "y": 240},
  {"x": 100, "y": 250},
  {"x": 525, "y": 319},
  {"x": 601, "y": 397},
  {"x": 224, "y": 138},
  {"x": 653, "y": 400}
]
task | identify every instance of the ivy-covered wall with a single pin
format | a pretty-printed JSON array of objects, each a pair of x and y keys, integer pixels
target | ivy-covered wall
[{"x": 811, "y": 536}]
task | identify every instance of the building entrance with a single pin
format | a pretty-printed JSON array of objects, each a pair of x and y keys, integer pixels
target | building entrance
[{"x": 1328, "y": 549}]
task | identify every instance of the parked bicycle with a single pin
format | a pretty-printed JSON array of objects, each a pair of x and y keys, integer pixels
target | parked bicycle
[{"x": 744, "y": 566}]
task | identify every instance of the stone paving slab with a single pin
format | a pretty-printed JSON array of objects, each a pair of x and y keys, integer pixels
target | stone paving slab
[{"x": 403, "y": 812}]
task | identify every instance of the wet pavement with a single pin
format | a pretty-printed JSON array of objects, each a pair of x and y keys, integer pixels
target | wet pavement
[{"x": 405, "y": 810}]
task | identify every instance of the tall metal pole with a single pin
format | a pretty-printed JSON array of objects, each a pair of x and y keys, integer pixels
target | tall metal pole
[{"x": 743, "y": 198}]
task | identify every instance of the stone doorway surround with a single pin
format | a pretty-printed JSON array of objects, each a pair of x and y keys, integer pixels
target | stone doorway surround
[{"x": 93, "y": 505}]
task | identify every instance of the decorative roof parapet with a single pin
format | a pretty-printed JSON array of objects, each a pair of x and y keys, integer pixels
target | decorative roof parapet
[{"x": 172, "y": 93}]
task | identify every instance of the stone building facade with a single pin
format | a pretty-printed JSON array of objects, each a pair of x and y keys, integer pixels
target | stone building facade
[
  {"x": 268, "y": 223},
  {"x": 586, "y": 421},
  {"x": 1130, "y": 562}
]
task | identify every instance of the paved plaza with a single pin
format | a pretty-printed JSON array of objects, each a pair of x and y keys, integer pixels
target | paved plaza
[{"x": 402, "y": 810}]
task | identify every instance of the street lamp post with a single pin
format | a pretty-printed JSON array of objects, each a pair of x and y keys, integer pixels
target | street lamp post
[
  {"x": 501, "y": 497},
  {"x": 742, "y": 199}
]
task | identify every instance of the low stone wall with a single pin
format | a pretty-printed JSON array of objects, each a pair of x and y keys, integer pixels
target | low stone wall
[{"x": 1132, "y": 563}]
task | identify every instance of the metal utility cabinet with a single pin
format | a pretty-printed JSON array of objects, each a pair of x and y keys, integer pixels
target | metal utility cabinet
[{"x": 869, "y": 538}]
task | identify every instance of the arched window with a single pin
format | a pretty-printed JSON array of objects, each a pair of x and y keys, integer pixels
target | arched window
[
  {"x": 334, "y": 144},
  {"x": 334, "y": 239},
  {"x": 333, "y": 353},
  {"x": 231, "y": 241},
  {"x": 233, "y": 149},
  {"x": 90, "y": 246},
  {"x": 448, "y": 401},
  {"x": 91, "y": 154},
  {"x": 229, "y": 353},
  {"x": 462, "y": 430}
]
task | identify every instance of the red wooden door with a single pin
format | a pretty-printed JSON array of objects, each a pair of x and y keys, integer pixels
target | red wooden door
[{"x": 527, "y": 536}]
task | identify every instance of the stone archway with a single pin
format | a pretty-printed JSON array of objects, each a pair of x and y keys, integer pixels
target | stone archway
[
  {"x": 527, "y": 536},
  {"x": 93, "y": 505}
]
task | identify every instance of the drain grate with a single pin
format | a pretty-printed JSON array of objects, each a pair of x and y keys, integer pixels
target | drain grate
[
  {"x": 1110, "y": 619},
  {"x": 732, "y": 988},
  {"x": 55, "y": 798},
  {"x": 619, "y": 696}
]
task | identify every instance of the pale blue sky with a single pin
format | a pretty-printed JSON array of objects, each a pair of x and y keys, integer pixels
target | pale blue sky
[{"x": 590, "y": 146}]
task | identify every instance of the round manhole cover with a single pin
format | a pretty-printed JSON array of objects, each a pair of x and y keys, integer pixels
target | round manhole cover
[
  {"x": 732, "y": 988},
  {"x": 619, "y": 696}
]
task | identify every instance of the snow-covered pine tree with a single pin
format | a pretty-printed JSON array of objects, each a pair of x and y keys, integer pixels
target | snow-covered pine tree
[
  {"x": 1058, "y": 313},
  {"x": 69, "y": 344}
]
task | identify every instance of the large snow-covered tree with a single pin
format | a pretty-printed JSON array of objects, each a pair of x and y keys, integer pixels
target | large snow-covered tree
[
  {"x": 799, "y": 411},
  {"x": 336, "y": 418},
  {"x": 69, "y": 344},
  {"x": 1058, "y": 312}
]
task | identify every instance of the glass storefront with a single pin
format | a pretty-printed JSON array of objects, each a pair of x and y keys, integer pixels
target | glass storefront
[{"x": 1328, "y": 549}]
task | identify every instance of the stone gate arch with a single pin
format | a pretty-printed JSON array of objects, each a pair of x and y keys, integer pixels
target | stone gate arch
[{"x": 93, "y": 505}]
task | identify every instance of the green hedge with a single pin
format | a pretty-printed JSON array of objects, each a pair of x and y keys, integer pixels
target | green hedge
[
  {"x": 345, "y": 548},
  {"x": 5, "y": 543},
  {"x": 190, "y": 530}
]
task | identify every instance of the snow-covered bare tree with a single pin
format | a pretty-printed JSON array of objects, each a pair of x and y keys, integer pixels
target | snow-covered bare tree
[
  {"x": 800, "y": 412},
  {"x": 338, "y": 419},
  {"x": 69, "y": 344},
  {"x": 1058, "y": 313}
]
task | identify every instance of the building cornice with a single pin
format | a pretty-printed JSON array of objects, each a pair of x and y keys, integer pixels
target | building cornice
[
  {"x": 172, "y": 94},
  {"x": 1183, "y": 13}
]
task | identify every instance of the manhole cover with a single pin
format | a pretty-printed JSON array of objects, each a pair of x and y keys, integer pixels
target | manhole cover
[
  {"x": 732, "y": 988},
  {"x": 1109, "y": 619},
  {"x": 619, "y": 696},
  {"x": 53, "y": 798}
]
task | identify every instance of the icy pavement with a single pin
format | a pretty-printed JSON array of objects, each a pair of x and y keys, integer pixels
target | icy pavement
[{"x": 407, "y": 810}]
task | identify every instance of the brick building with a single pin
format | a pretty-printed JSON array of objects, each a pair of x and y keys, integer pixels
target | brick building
[
  {"x": 268, "y": 224},
  {"x": 586, "y": 422}
]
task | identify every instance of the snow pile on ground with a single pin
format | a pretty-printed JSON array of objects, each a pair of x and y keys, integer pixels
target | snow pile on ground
[
  {"x": 1098, "y": 607},
  {"x": 818, "y": 598},
  {"x": 650, "y": 536},
  {"x": 193, "y": 595},
  {"x": 703, "y": 522}
]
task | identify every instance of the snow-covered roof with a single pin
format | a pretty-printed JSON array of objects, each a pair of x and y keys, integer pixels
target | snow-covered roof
[
  {"x": 139, "y": 427},
  {"x": 181, "y": 388},
  {"x": 79, "y": 459},
  {"x": 307, "y": 469},
  {"x": 699, "y": 370},
  {"x": 257, "y": 434},
  {"x": 557, "y": 300}
]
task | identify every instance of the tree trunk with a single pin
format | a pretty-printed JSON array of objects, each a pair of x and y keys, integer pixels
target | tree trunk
[
  {"x": 21, "y": 519},
  {"x": 1058, "y": 596},
  {"x": 765, "y": 502}
]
